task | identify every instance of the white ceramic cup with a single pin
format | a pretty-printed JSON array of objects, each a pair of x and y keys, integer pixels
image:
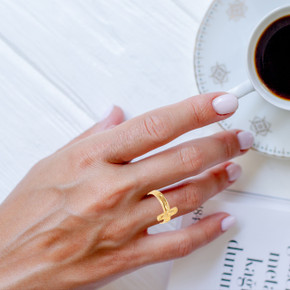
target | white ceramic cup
[{"x": 254, "y": 83}]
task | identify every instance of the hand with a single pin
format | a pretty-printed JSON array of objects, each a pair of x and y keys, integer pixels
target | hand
[{"x": 81, "y": 215}]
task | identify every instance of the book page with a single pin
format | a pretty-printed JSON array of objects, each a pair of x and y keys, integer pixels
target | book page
[{"x": 255, "y": 254}]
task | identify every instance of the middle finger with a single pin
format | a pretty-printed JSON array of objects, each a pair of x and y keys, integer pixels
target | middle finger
[{"x": 188, "y": 159}]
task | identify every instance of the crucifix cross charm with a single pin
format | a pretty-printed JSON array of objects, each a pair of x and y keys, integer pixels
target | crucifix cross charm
[{"x": 167, "y": 211}]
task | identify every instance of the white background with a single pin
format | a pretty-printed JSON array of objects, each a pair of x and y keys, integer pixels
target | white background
[{"x": 63, "y": 62}]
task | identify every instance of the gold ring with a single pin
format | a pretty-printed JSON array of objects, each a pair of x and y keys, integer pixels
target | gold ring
[{"x": 167, "y": 211}]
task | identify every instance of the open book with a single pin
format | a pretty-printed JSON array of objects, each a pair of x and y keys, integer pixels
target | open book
[{"x": 253, "y": 255}]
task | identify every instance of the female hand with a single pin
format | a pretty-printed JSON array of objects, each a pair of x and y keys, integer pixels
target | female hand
[{"x": 81, "y": 215}]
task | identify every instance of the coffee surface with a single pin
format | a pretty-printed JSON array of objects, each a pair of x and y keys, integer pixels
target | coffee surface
[{"x": 272, "y": 57}]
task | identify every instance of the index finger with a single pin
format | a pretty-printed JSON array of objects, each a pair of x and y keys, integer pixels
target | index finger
[{"x": 156, "y": 128}]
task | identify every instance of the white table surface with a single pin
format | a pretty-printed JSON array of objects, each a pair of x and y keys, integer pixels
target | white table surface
[{"x": 63, "y": 62}]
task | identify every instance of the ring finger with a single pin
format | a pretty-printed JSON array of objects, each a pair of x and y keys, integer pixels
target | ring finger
[{"x": 191, "y": 194}]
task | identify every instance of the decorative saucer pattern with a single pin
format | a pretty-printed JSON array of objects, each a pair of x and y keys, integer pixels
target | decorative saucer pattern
[{"x": 220, "y": 64}]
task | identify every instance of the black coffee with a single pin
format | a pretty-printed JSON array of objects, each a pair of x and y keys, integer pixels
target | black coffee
[{"x": 272, "y": 57}]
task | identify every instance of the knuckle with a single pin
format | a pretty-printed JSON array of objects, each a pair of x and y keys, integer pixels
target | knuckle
[
  {"x": 124, "y": 185},
  {"x": 158, "y": 128},
  {"x": 191, "y": 158},
  {"x": 192, "y": 197},
  {"x": 197, "y": 113},
  {"x": 108, "y": 202},
  {"x": 115, "y": 199},
  {"x": 82, "y": 157},
  {"x": 103, "y": 201},
  {"x": 228, "y": 144},
  {"x": 207, "y": 235},
  {"x": 86, "y": 160},
  {"x": 184, "y": 247},
  {"x": 113, "y": 196}
]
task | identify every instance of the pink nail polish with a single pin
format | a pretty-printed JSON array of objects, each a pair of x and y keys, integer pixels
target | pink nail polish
[
  {"x": 234, "y": 171},
  {"x": 227, "y": 223},
  {"x": 225, "y": 104},
  {"x": 246, "y": 140}
]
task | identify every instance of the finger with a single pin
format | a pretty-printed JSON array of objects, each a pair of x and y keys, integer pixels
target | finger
[
  {"x": 175, "y": 244},
  {"x": 188, "y": 195},
  {"x": 188, "y": 159},
  {"x": 114, "y": 118},
  {"x": 153, "y": 129}
]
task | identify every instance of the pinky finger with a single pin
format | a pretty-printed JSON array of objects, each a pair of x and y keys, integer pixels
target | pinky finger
[
  {"x": 114, "y": 118},
  {"x": 176, "y": 244}
]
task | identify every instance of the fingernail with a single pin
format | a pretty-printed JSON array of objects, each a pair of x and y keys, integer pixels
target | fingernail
[
  {"x": 107, "y": 112},
  {"x": 246, "y": 140},
  {"x": 225, "y": 104},
  {"x": 234, "y": 171},
  {"x": 227, "y": 223}
]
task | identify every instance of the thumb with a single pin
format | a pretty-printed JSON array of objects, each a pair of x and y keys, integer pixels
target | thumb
[{"x": 113, "y": 117}]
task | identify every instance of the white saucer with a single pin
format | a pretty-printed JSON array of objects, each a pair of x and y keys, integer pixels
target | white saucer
[{"x": 220, "y": 64}]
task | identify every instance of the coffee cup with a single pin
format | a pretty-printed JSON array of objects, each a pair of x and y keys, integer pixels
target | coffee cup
[{"x": 268, "y": 60}]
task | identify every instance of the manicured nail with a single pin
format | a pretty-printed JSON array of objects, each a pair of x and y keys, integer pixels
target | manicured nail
[
  {"x": 246, "y": 140},
  {"x": 107, "y": 112},
  {"x": 227, "y": 223},
  {"x": 234, "y": 171},
  {"x": 225, "y": 104}
]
